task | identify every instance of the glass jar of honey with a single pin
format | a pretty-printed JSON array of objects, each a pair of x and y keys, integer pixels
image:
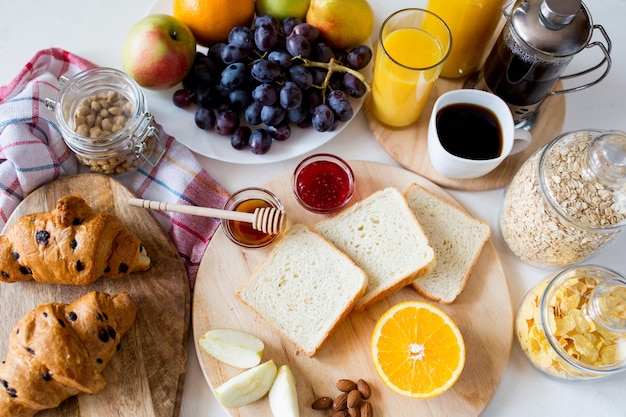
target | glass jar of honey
[
  {"x": 573, "y": 324},
  {"x": 247, "y": 200}
]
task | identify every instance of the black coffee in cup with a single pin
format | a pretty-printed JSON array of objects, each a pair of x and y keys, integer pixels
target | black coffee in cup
[{"x": 469, "y": 131}]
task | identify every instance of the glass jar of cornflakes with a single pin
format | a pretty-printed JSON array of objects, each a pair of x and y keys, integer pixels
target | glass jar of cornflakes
[
  {"x": 568, "y": 200},
  {"x": 103, "y": 117},
  {"x": 573, "y": 324}
]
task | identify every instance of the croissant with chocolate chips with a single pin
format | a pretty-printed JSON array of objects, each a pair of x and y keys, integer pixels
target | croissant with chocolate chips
[
  {"x": 60, "y": 350},
  {"x": 72, "y": 244}
]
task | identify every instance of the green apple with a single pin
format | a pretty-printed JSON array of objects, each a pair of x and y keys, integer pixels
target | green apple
[
  {"x": 247, "y": 387},
  {"x": 283, "y": 395},
  {"x": 158, "y": 51},
  {"x": 282, "y": 9},
  {"x": 233, "y": 347}
]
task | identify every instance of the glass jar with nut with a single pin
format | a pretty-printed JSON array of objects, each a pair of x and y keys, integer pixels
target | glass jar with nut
[
  {"x": 568, "y": 200},
  {"x": 103, "y": 118},
  {"x": 573, "y": 324}
]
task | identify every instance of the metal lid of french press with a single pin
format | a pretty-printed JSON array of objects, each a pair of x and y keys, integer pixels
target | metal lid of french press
[{"x": 553, "y": 27}]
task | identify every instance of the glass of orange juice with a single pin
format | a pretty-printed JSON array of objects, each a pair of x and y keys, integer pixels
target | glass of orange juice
[
  {"x": 413, "y": 45},
  {"x": 472, "y": 23}
]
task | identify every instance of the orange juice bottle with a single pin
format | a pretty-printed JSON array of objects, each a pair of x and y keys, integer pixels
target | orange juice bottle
[
  {"x": 472, "y": 23},
  {"x": 404, "y": 75}
]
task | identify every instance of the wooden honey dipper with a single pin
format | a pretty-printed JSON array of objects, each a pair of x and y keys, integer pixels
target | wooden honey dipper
[{"x": 264, "y": 219}]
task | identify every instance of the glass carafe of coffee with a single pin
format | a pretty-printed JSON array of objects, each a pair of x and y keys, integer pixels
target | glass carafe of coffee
[{"x": 538, "y": 41}]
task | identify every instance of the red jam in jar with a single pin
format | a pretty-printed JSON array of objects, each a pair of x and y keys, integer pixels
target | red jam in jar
[{"x": 323, "y": 183}]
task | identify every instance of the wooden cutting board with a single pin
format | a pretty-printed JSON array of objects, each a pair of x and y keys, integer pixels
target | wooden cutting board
[
  {"x": 409, "y": 146},
  {"x": 483, "y": 313},
  {"x": 145, "y": 378}
]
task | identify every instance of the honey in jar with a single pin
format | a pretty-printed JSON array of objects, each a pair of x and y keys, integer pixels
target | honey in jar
[
  {"x": 243, "y": 231},
  {"x": 247, "y": 200}
]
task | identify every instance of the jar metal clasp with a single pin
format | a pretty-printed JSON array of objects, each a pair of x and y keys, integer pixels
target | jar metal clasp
[
  {"x": 139, "y": 137},
  {"x": 48, "y": 102}
]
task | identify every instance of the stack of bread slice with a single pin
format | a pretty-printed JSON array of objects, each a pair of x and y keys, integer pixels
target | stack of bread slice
[{"x": 314, "y": 277}]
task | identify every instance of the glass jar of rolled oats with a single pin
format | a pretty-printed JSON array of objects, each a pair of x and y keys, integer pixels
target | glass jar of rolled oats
[
  {"x": 573, "y": 324},
  {"x": 104, "y": 119},
  {"x": 568, "y": 200}
]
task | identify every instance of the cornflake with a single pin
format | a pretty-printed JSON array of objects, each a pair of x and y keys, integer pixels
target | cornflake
[{"x": 575, "y": 333}]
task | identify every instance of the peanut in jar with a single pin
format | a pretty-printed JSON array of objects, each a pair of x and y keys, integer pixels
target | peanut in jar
[{"x": 103, "y": 118}]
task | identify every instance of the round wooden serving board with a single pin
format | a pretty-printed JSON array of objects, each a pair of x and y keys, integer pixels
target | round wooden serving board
[
  {"x": 483, "y": 313},
  {"x": 409, "y": 145},
  {"x": 145, "y": 378}
]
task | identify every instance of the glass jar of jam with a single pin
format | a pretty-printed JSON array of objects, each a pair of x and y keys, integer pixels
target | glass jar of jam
[
  {"x": 573, "y": 324},
  {"x": 247, "y": 200},
  {"x": 103, "y": 117},
  {"x": 323, "y": 183}
]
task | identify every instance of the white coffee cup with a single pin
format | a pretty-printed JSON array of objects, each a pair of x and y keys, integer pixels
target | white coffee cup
[{"x": 465, "y": 167}]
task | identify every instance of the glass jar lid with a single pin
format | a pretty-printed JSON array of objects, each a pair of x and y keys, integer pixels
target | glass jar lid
[{"x": 583, "y": 176}]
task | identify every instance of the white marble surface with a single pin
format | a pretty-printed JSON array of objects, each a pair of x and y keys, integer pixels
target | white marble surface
[{"x": 96, "y": 29}]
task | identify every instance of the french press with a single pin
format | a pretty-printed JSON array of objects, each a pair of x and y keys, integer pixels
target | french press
[{"x": 537, "y": 42}]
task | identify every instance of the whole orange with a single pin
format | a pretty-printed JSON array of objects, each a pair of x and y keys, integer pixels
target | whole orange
[{"x": 210, "y": 21}]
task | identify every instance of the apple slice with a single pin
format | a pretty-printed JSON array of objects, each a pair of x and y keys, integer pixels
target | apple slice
[
  {"x": 283, "y": 395},
  {"x": 233, "y": 347},
  {"x": 247, "y": 387}
]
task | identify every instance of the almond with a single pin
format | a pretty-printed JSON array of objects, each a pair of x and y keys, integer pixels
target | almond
[
  {"x": 341, "y": 402},
  {"x": 322, "y": 403},
  {"x": 366, "y": 409},
  {"x": 354, "y": 411},
  {"x": 354, "y": 398},
  {"x": 346, "y": 385},
  {"x": 364, "y": 389},
  {"x": 342, "y": 413}
]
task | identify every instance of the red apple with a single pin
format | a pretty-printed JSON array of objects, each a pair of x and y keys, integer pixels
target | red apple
[{"x": 158, "y": 51}]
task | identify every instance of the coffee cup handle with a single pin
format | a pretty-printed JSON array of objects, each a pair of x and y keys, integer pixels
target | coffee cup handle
[{"x": 522, "y": 139}]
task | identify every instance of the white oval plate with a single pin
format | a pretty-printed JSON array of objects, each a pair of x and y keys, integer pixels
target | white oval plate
[{"x": 180, "y": 124}]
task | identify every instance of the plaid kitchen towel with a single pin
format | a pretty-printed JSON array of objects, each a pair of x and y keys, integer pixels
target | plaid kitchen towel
[{"x": 33, "y": 153}]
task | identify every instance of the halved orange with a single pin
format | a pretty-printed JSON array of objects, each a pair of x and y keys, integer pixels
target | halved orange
[{"x": 417, "y": 350}]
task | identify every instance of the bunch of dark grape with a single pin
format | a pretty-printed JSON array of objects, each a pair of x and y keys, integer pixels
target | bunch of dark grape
[{"x": 271, "y": 77}]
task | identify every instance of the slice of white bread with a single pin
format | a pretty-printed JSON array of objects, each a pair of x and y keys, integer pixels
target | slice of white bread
[
  {"x": 305, "y": 288},
  {"x": 456, "y": 237},
  {"x": 382, "y": 236}
]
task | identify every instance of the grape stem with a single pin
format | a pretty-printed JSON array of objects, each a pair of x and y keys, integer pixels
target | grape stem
[{"x": 332, "y": 67}]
